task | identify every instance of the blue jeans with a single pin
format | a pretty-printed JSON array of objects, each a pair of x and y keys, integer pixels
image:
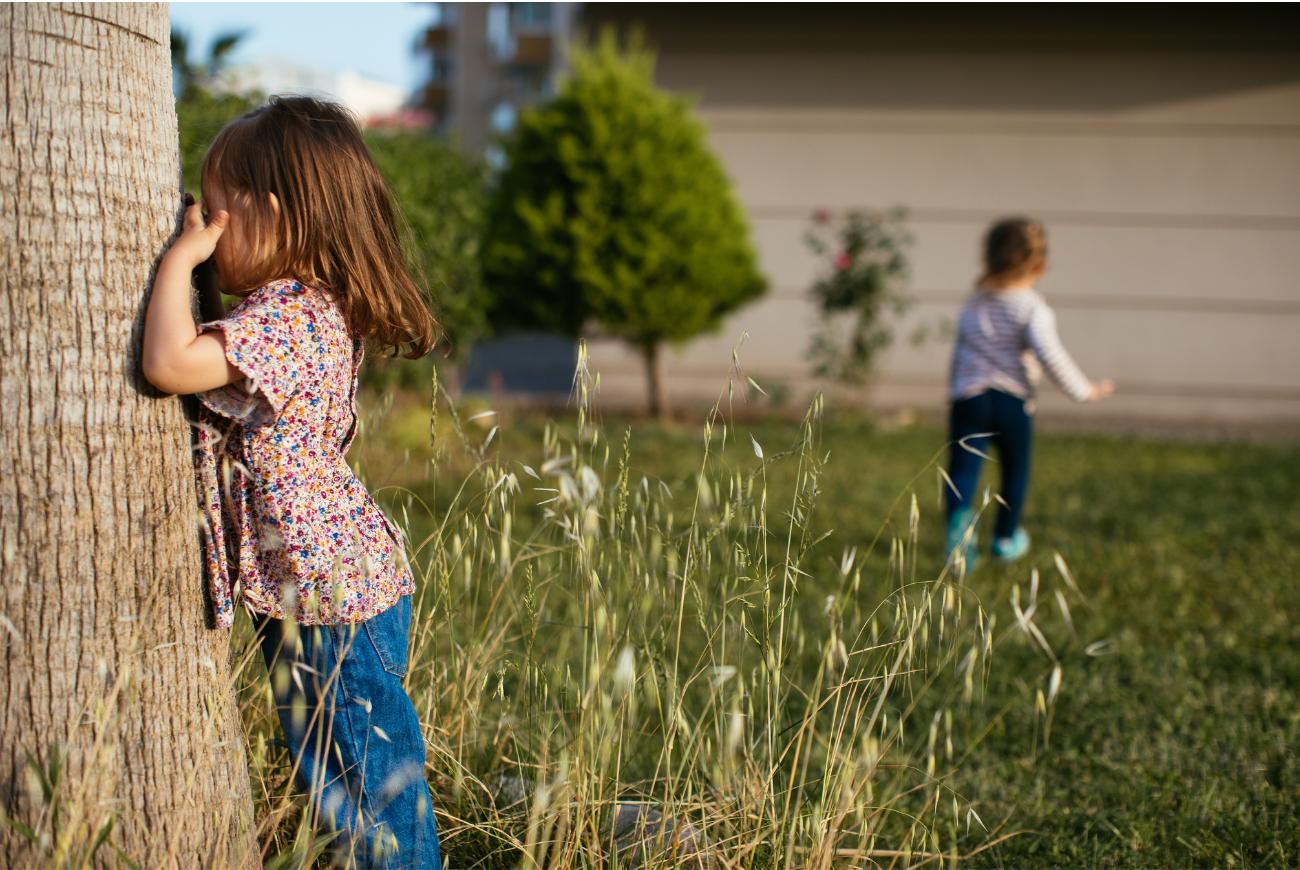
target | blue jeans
[
  {"x": 353, "y": 734},
  {"x": 1000, "y": 416}
]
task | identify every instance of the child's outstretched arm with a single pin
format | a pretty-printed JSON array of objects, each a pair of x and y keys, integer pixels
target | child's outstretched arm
[
  {"x": 1044, "y": 341},
  {"x": 177, "y": 358}
]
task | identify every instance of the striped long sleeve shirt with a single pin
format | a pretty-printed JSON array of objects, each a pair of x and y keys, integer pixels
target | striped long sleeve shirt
[{"x": 998, "y": 335}]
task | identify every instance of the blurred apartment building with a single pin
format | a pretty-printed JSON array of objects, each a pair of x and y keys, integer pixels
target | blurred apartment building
[
  {"x": 489, "y": 60},
  {"x": 1160, "y": 144}
]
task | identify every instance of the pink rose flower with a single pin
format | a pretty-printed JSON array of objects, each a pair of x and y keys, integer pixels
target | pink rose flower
[{"x": 843, "y": 261}]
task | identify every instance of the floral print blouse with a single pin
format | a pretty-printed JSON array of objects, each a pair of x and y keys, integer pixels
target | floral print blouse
[{"x": 289, "y": 531}]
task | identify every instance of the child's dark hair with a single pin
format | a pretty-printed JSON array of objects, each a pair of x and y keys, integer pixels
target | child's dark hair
[
  {"x": 333, "y": 222},
  {"x": 1014, "y": 248}
]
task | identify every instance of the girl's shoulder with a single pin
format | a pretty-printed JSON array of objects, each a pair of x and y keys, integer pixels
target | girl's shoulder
[
  {"x": 277, "y": 292},
  {"x": 283, "y": 291},
  {"x": 289, "y": 297},
  {"x": 293, "y": 313}
]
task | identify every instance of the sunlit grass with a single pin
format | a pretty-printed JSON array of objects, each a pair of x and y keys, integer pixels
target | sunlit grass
[
  {"x": 600, "y": 639},
  {"x": 749, "y": 629},
  {"x": 1171, "y": 738}
]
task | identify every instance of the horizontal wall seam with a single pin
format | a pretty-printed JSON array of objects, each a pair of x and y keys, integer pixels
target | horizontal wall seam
[
  {"x": 1081, "y": 302},
  {"x": 1059, "y": 217},
  {"x": 795, "y": 377},
  {"x": 718, "y": 123}
]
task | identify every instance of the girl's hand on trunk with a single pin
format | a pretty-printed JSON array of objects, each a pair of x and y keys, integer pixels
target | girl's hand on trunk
[{"x": 198, "y": 239}]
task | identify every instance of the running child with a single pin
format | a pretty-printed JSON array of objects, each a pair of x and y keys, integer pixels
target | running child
[{"x": 1004, "y": 333}]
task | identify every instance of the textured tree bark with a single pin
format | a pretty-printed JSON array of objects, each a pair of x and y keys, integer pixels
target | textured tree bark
[{"x": 108, "y": 662}]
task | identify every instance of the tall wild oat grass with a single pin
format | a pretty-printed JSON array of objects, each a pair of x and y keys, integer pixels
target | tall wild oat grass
[
  {"x": 615, "y": 672},
  {"x": 591, "y": 642}
]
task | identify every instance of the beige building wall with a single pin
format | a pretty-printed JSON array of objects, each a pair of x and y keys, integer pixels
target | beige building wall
[{"x": 1169, "y": 179}]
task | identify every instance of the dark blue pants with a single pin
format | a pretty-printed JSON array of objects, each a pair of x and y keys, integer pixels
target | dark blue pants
[
  {"x": 1001, "y": 419},
  {"x": 353, "y": 734}
]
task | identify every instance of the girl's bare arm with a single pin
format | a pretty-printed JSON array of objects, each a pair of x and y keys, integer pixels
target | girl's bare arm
[{"x": 176, "y": 358}]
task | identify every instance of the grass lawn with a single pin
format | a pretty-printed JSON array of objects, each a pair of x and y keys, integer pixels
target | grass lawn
[{"x": 1174, "y": 738}]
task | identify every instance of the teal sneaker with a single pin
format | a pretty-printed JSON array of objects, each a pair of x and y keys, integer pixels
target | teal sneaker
[
  {"x": 961, "y": 520},
  {"x": 1012, "y": 548}
]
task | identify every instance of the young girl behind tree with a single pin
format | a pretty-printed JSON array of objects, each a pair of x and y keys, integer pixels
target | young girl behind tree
[
  {"x": 1004, "y": 328},
  {"x": 302, "y": 227}
]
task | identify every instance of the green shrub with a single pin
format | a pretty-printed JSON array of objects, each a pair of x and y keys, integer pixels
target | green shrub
[
  {"x": 442, "y": 194},
  {"x": 201, "y": 115},
  {"x": 613, "y": 213},
  {"x": 865, "y": 272}
]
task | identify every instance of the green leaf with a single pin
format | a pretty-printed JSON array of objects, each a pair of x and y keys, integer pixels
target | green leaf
[
  {"x": 23, "y": 830},
  {"x": 101, "y": 837}
]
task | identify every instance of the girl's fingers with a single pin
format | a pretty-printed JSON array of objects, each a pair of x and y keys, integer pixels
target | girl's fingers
[
  {"x": 217, "y": 225},
  {"x": 193, "y": 217}
]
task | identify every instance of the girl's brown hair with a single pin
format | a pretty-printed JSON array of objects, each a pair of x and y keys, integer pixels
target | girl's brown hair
[
  {"x": 1014, "y": 249},
  {"x": 333, "y": 223}
]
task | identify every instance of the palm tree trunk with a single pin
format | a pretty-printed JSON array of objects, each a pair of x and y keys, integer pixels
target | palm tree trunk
[{"x": 111, "y": 681}]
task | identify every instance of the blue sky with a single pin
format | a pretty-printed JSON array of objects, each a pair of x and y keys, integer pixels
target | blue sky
[{"x": 374, "y": 39}]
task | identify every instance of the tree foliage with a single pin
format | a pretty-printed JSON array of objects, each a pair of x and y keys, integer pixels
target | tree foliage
[
  {"x": 201, "y": 115},
  {"x": 613, "y": 212},
  {"x": 190, "y": 76},
  {"x": 202, "y": 108},
  {"x": 443, "y": 196}
]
